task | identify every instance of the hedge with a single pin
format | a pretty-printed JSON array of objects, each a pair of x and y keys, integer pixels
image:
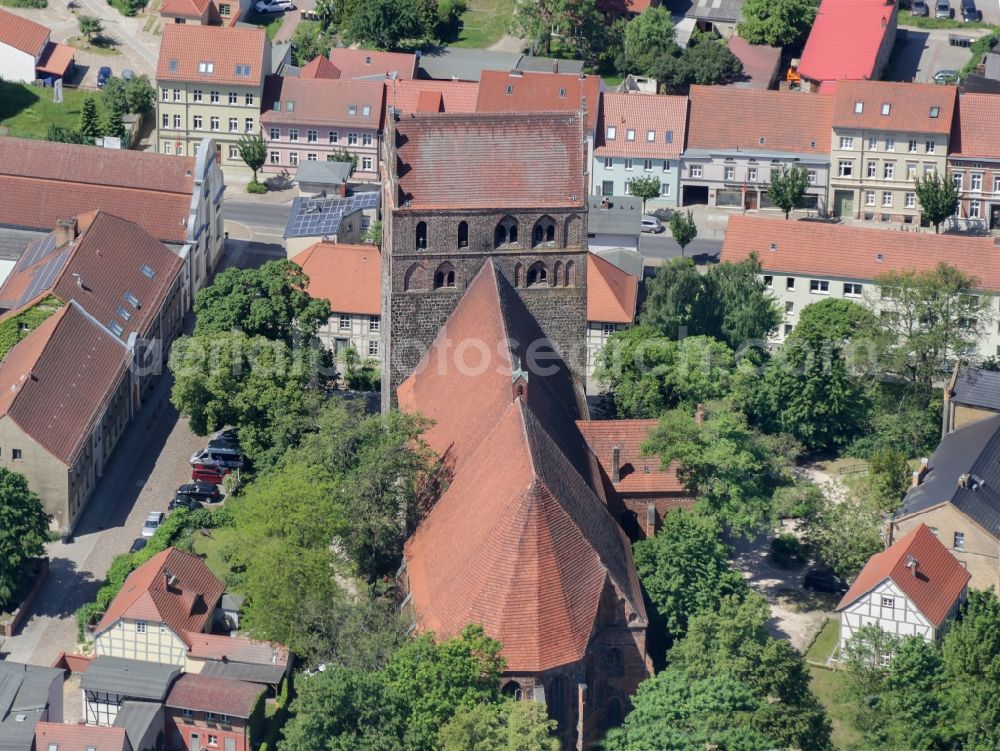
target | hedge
[{"x": 15, "y": 328}]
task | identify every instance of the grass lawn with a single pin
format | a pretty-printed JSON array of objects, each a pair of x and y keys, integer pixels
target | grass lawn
[
  {"x": 270, "y": 22},
  {"x": 827, "y": 685},
  {"x": 28, "y": 111},
  {"x": 82, "y": 43},
  {"x": 23, "y": 4},
  {"x": 483, "y": 23},
  {"x": 843, "y": 467},
  {"x": 211, "y": 548},
  {"x": 825, "y": 642}
]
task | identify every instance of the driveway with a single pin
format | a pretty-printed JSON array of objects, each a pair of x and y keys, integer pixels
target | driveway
[{"x": 920, "y": 53}]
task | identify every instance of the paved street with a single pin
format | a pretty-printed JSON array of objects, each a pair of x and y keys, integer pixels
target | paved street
[
  {"x": 258, "y": 215},
  {"x": 657, "y": 248}
]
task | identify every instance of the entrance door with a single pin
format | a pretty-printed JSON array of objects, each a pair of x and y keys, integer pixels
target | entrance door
[
  {"x": 750, "y": 199},
  {"x": 195, "y": 742},
  {"x": 843, "y": 203}
]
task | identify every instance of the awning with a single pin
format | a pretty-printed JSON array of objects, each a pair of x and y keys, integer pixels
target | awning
[{"x": 56, "y": 59}]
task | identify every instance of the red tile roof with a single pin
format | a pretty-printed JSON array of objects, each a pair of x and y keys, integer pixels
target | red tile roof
[
  {"x": 620, "y": 7},
  {"x": 205, "y": 693},
  {"x": 933, "y": 588},
  {"x": 535, "y": 559},
  {"x": 456, "y": 96},
  {"x": 22, "y": 33},
  {"x": 322, "y": 101},
  {"x": 44, "y": 182},
  {"x": 56, "y": 59},
  {"x": 829, "y": 250},
  {"x": 723, "y": 117},
  {"x": 539, "y": 92},
  {"x": 235, "y": 649},
  {"x": 356, "y": 63},
  {"x": 185, "y": 8},
  {"x": 447, "y": 160},
  {"x": 845, "y": 40},
  {"x": 349, "y": 276},
  {"x": 663, "y": 116},
  {"x": 760, "y": 62},
  {"x": 611, "y": 292},
  {"x": 973, "y": 132},
  {"x": 186, "y": 605},
  {"x": 912, "y": 106},
  {"x": 639, "y": 474},
  {"x": 184, "y": 46},
  {"x": 79, "y": 737},
  {"x": 319, "y": 67}
]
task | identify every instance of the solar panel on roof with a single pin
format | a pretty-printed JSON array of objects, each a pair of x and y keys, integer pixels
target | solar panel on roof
[
  {"x": 38, "y": 250},
  {"x": 43, "y": 277}
]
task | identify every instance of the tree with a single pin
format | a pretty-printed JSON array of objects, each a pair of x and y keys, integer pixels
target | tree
[
  {"x": 65, "y": 135},
  {"x": 971, "y": 652},
  {"x": 252, "y": 149},
  {"x": 114, "y": 94},
  {"x": 272, "y": 301},
  {"x": 787, "y": 188},
  {"x": 778, "y": 23},
  {"x": 90, "y": 27},
  {"x": 685, "y": 569},
  {"x": 707, "y": 61},
  {"x": 644, "y": 188},
  {"x": 373, "y": 234},
  {"x": 938, "y": 197},
  {"x": 748, "y": 311},
  {"x": 114, "y": 124},
  {"x": 834, "y": 319},
  {"x": 343, "y": 155},
  {"x": 90, "y": 124},
  {"x": 385, "y": 24},
  {"x": 678, "y": 301},
  {"x": 866, "y": 655},
  {"x": 536, "y": 20},
  {"x": 24, "y": 527},
  {"x": 504, "y": 726},
  {"x": 140, "y": 96},
  {"x": 649, "y": 46},
  {"x": 846, "y": 531},
  {"x": 683, "y": 229}
]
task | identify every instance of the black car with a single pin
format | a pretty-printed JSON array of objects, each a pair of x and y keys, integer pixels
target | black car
[
  {"x": 824, "y": 581},
  {"x": 184, "y": 501},
  {"x": 201, "y": 491},
  {"x": 137, "y": 544}
]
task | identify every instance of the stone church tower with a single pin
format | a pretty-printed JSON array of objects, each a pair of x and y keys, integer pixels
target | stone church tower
[{"x": 462, "y": 189}]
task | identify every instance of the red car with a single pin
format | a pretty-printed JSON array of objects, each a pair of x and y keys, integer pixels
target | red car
[{"x": 208, "y": 473}]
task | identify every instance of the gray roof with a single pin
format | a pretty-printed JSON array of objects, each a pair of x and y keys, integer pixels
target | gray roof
[
  {"x": 136, "y": 717},
  {"x": 992, "y": 65},
  {"x": 231, "y": 601},
  {"x": 446, "y": 63},
  {"x": 614, "y": 215},
  {"x": 267, "y": 675},
  {"x": 135, "y": 679},
  {"x": 24, "y": 696},
  {"x": 534, "y": 64},
  {"x": 629, "y": 261},
  {"x": 974, "y": 84},
  {"x": 972, "y": 450},
  {"x": 280, "y": 55},
  {"x": 316, "y": 217},
  {"x": 329, "y": 173},
  {"x": 975, "y": 387},
  {"x": 720, "y": 11},
  {"x": 14, "y": 241}
]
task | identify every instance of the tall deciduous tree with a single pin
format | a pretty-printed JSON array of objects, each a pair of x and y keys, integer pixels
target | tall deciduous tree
[
  {"x": 504, "y": 726},
  {"x": 644, "y": 188},
  {"x": 707, "y": 61},
  {"x": 90, "y": 26},
  {"x": 650, "y": 49},
  {"x": 787, "y": 188},
  {"x": 846, "y": 531},
  {"x": 683, "y": 229},
  {"x": 938, "y": 196},
  {"x": 748, "y": 311},
  {"x": 252, "y": 149},
  {"x": 385, "y": 24},
  {"x": 23, "y": 531},
  {"x": 971, "y": 651},
  {"x": 678, "y": 302},
  {"x": 776, "y": 22}
]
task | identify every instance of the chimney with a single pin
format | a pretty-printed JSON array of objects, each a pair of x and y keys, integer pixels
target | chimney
[
  {"x": 699, "y": 414},
  {"x": 918, "y": 474},
  {"x": 911, "y": 563},
  {"x": 555, "y": 66},
  {"x": 650, "y": 520},
  {"x": 342, "y": 189},
  {"x": 616, "y": 464},
  {"x": 65, "y": 231}
]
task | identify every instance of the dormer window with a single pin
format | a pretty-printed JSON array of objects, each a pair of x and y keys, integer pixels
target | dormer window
[
  {"x": 885, "y": 109},
  {"x": 611, "y": 132},
  {"x": 206, "y": 67},
  {"x": 650, "y": 135},
  {"x": 352, "y": 110},
  {"x": 670, "y": 136},
  {"x": 276, "y": 106},
  {"x": 859, "y": 107},
  {"x": 243, "y": 71}
]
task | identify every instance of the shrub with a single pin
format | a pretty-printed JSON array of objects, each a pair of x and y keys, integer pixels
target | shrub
[
  {"x": 787, "y": 551},
  {"x": 86, "y": 615},
  {"x": 257, "y": 188}
]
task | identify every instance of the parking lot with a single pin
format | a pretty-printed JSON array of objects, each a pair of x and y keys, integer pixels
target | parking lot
[{"x": 920, "y": 53}]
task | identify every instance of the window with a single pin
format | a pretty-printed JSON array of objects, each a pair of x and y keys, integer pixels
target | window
[
  {"x": 730, "y": 173},
  {"x": 819, "y": 286},
  {"x": 274, "y": 134},
  {"x": 608, "y": 162},
  {"x": 607, "y": 329},
  {"x": 165, "y": 95},
  {"x": 421, "y": 236},
  {"x": 889, "y": 170},
  {"x": 872, "y": 168},
  {"x": 811, "y": 176},
  {"x": 177, "y": 95},
  {"x": 312, "y": 136},
  {"x": 666, "y": 165},
  {"x": 628, "y": 164},
  {"x": 334, "y": 136},
  {"x": 206, "y": 67},
  {"x": 934, "y": 531},
  {"x": 845, "y": 168},
  {"x": 665, "y": 190},
  {"x": 890, "y": 144},
  {"x": 669, "y": 136},
  {"x": 293, "y": 134},
  {"x": 790, "y": 283},
  {"x": 463, "y": 234},
  {"x": 234, "y": 125},
  {"x": 374, "y": 323},
  {"x": 974, "y": 209},
  {"x": 366, "y": 111},
  {"x": 695, "y": 170},
  {"x": 888, "y": 602},
  {"x": 248, "y": 123},
  {"x": 15, "y": 454},
  {"x": 957, "y": 177},
  {"x": 177, "y": 122},
  {"x": 196, "y": 122},
  {"x": 912, "y": 147},
  {"x": 959, "y": 542},
  {"x": 911, "y": 170},
  {"x": 213, "y": 97},
  {"x": 344, "y": 322},
  {"x": 647, "y": 165},
  {"x": 630, "y": 134},
  {"x": 167, "y": 148},
  {"x": 196, "y": 95},
  {"x": 366, "y": 139},
  {"x": 310, "y": 157},
  {"x": 852, "y": 290},
  {"x": 768, "y": 282},
  {"x": 788, "y": 329},
  {"x": 869, "y": 198},
  {"x": 234, "y": 151},
  {"x": 846, "y": 142},
  {"x": 859, "y": 107},
  {"x": 977, "y": 181},
  {"x": 140, "y": 627},
  {"x": 233, "y": 97},
  {"x": 872, "y": 143},
  {"x": 996, "y": 184},
  {"x": 352, "y": 139},
  {"x": 373, "y": 347},
  {"x": 887, "y": 198},
  {"x": 293, "y": 158},
  {"x": 751, "y": 174},
  {"x": 611, "y": 133},
  {"x": 910, "y": 200},
  {"x": 187, "y": 714},
  {"x": 607, "y": 187},
  {"x": 166, "y": 121},
  {"x": 214, "y": 121},
  {"x": 275, "y": 158},
  {"x": 366, "y": 163},
  {"x": 213, "y": 740},
  {"x": 929, "y": 147}
]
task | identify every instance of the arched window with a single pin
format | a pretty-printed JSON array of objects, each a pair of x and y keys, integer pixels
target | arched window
[
  {"x": 573, "y": 232},
  {"x": 500, "y": 236},
  {"x": 557, "y": 272},
  {"x": 513, "y": 689},
  {"x": 415, "y": 278},
  {"x": 421, "y": 240},
  {"x": 518, "y": 275},
  {"x": 505, "y": 232},
  {"x": 444, "y": 276},
  {"x": 570, "y": 274},
  {"x": 614, "y": 657},
  {"x": 544, "y": 232},
  {"x": 512, "y": 237},
  {"x": 463, "y": 234},
  {"x": 537, "y": 274}
]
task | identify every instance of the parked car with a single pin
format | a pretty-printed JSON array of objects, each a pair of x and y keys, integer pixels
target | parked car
[
  {"x": 227, "y": 458},
  {"x": 919, "y": 8},
  {"x": 651, "y": 224},
  {"x": 942, "y": 9},
  {"x": 947, "y": 75},
  {"x": 820, "y": 580},
  {"x": 226, "y": 434},
  {"x": 273, "y": 6},
  {"x": 153, "y": 522},
  {"x": 223, "y": 443},
  {"x": 969, "y": 11},
  {"x": 128, "y": 74},
  {"x": 102, "y": 76},
  {"x": 206, "y": 473},
  {"x": 201, "y": 491},
  {"x": 184, "y": 501},
  {"x": 137, "y": 544}
]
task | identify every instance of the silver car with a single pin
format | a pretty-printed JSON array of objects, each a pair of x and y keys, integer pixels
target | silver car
[{"x": 152, "y": 523}]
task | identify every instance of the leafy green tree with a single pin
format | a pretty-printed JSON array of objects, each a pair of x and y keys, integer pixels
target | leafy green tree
[
  {"x": 678, "y": 301},
  {"x": 683, "y": 229},
  {"x": 833, "y": 319},
  {"x": 252, "y": 149},
  {"x": 309, "y": 41},
  {"x": 787, "y": 188},
  {"x": 140, "y": 96},
  {"x": 732, "y": 470},
  {"x": 866, "y": 656},
  {"x": 685, "y": 569},
  {"x": 971, "y": 651},
  {"x": 114, "y": 125},
  {"x": 707, "y": 61},
  {"x": 24, "y": 527},
  {"x": 938, "y": 196},
  {"x": 846, "y": 531},
  {"x": 889, "y": 477},
  {"x": 649, "y": 46},
  {"x": 114, "y": 94},
  {"x": 644, "y": 188},
  {"x": 90, "y": 27},
  {"x": 385, "y": 24},
  {"x": 90, "y": 123},
  {"x": 536, "y": 20},
  {"x": 504, "y": 726},
  {"x": 65, "y": 135},
  {"x": 272, "y": 301},
  {"x": 373, "y": 234},
  {"x": 778, "y": 23},
  {"x": 748, "y": 312},
  {"x": 343, "y": 155}
]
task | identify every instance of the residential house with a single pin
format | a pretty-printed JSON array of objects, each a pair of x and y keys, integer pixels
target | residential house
[
  {"x": 614, "y": 222},
  {"x": 110, "y": 683},
  {"x": 720, "y": 16},
  {"x": 29, "y": 694},
  {"x": 974, "y": 160},
  {"x": 761, "y": 63},
  {"x": 736, "y": 138},
  {"x": 142, "y": 722},
  {"x": 850, "y": 40},
  {"x": 911, "y": 588},
  {"x": 611, "y": 305},
  {"x": 885, "y": 135},
  {"x": 320, "y": 179},
  {"x": 971, "y": 394},
  {"x": 802, "y": 262},
  {"x": 177, "y": 200},
  {"x": 203, "y": 12},
  {"x": 26, "y": 52},
  {"x": 419, "y": 95},
  {"x": 53, "y": 736},
  {"x": 640, "y": 136},
  {"x": 237, "y": 658},
  {"x": 204, "y": 712},
  {"x": 467, "y": 65},
  {"x": 956, "y": 497},
  {"x": 211, "y": 82},
  {"x": 505, "y": 432},
  {"x": 315, "y": 119},
  {"x": 351, "y": 63},
  {"x": 350, "y": 277},
  {"x": 344, "y": 217}
]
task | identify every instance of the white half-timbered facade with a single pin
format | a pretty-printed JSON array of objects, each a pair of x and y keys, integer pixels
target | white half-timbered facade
[{"x": 890, "y": 609}]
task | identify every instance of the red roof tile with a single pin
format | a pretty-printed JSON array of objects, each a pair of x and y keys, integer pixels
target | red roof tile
[
  {"x": 611, "y": 292},
  {"x": 349, "y": 276},
  {"x": 662, "y": 116},
  {"x": 184, "y": 8},
  {"x": 56, "y": 59},
  {"x": 22, "y": 33},
  {"x": 322, "y": 101},
  {"x": 205, "y": 693},
  {"x": 760, "y": 62},
  {"x": 185, "y": 605},
  {"x": 933, "y": 587},
  {"x": 639, "y": 474},
  {"x": 723, "y": 117},
  {"x": 539, "y": 92},
  {"x": 447, "y": 160},
  {"x": 621, "y": 7},
  {"x": 456, "y": 96},
  {"x": 830, "y": 250},
  {"x": 845, "y": 40},
  {"x": 974, "y": 130},
  {"x": 913, "y": 107},
  {"x": 319, "y": 67},
  {"x": 357, "y": 63},
  {"x": 236, "y": 649},
  {"x": 185, "y": 46},
  {"x": 79, "y": 737}
]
